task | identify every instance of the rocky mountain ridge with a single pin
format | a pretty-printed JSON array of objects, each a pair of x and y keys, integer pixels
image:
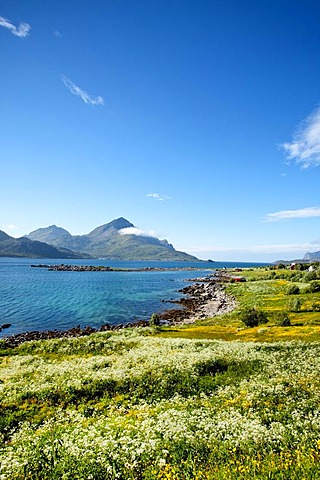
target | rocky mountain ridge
[
  {"x": 24, "y": 247},
  {"x": 116, "y": 240},
  {"x": 312, "y": 256}
]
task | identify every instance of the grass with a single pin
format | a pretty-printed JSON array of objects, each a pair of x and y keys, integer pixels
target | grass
[
  {"x": 156, "y": 408},
  {"x": 209, "y": 401},
  {"x": 265, "y": 333},
  {"x": 268, "y": 294}
]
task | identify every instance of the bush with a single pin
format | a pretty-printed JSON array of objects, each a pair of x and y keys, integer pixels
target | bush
[
  {"x": 296, "y": 277},
  {"x": 283, "y": 320},
  {"x": 154, "y": 320},
  {"x": 253, "y": 317},
  {"x": 293, "y": 290},
  {"x": 309, "y": 276},
  {"x": 294, "y": 305},
  {"x": 314, "y": 287},
  {"x": 315, "y": 307},
  {"x": 282, "y": 266}
]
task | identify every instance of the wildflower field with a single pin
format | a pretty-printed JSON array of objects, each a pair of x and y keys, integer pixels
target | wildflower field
[
  {"x": 131, "y": 406},
  {"x": 135, "y": 405}
]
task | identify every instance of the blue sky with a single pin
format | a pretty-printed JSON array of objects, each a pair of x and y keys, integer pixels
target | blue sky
[{"x": 198, "y": 121}]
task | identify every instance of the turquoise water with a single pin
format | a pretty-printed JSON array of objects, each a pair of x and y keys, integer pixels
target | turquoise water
[{"x": 38, "y": 299}]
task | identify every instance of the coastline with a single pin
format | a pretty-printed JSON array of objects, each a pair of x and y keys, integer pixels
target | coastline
[
  {"x": 100, "y": 268},
  {"x": 205, "y": 298}
]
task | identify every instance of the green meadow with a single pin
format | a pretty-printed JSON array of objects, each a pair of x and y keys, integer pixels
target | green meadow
[
  {"x": 267, "y": 290},
  {"x": 213, "y": 400}
]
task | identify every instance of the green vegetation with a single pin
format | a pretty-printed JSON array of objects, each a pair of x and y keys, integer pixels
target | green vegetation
[
  {"x": 314, "y": 286},
  {"x": 24, "y": 247},
  {"x": 135, "y": 405},
  {"x": 266, "y": 290},
  {"x": 283, "y": 319},
  {"x": 252, "y": 317},
  {"x": 154, "y": 320},
  {"x": 132, "y": 406},
  {"x": 293, "y": 290},
  {"x": 294, "y": 305}
]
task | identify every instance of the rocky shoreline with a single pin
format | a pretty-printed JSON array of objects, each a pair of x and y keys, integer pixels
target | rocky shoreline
[
  {"x": 204, "y": 299},
  {"x": 62, "y": 267}
]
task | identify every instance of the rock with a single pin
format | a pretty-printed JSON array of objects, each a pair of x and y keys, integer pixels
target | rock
[{"x": 203, "y": 300}]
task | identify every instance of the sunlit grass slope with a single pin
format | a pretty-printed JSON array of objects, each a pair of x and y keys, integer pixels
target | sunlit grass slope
[
  {"x": 132, "y": 406},
  {"x": 266, "y": 290}
]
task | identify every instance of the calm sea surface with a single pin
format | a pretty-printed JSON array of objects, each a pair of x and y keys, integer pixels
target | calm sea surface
[{"x": 38, "y": 299}]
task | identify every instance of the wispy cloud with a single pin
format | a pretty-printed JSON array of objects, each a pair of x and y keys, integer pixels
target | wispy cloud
[
  {"x": 10, "y": 227},
  {"x": 21, "y": 31},
  {"x": 137, "y": 231},
  {"x": 262, "y": 249},
  {"x": 289, "y": 214},
  {"x": 75, "y": 90},
  {"x": 56, "y": 33},
  {"x": 157, "y": 196},
  {"x": 305, "y": 147}
]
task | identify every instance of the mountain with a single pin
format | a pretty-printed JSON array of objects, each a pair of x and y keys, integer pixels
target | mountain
[
  {"x": 312, "y": 256},
  {"x": 4, "y": 236},
  {"x": 116, "y": 240},
  {"x": 24, "y": 247},
  {"x": 49, "y": 234}
]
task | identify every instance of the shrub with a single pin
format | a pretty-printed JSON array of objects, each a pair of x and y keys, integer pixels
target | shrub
[
  {"x": 315, "y": 307},
  {"x": 283, "y": 320},
  {"x": 294, "y": 305},
  {"x": 314, "y": 287},
  {"x": 296, "y": 277},
  {"x": 253, "y": 317},
  {"x": 293, "y": 290},
  {"x": 155, "y": 320},
  {"x": 282, "y": 266},
  {"x": 309, "y": 276}
]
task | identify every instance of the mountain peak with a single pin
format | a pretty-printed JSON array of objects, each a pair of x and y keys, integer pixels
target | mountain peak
[
  {"x": 47, "y": 234},
  {"x": 107, "y": 241},
  {"x": 117, "y": 224},
  {"x": 120, "y": 223}
]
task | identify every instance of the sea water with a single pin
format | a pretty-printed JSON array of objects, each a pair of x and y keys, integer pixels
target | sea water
[{"x": 39, "y": 299}]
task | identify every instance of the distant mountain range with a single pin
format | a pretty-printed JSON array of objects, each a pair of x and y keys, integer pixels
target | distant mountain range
[
  {"x": 117, "y": 240},
  {"x": 312, "y": 256},
  {"x": 24, "y": 247},
  {"x": 308, "y": 257}
]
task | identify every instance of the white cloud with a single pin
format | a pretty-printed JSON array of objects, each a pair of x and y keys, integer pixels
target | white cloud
[
  {"x": 75, "y": 90},
  {"x": 288, "y": 214},
  {"x": 252, "y": 253},
  {"x": 305, "y": 147},
  {"x": 56, "y": 33},
  {"x": 157, "y": 196},
  {"x": 260, "y": 249},
  {"x": 10, "y": 227},
  {"x": 137, "y": 231},
  {"x": 21, "y": 31}
]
